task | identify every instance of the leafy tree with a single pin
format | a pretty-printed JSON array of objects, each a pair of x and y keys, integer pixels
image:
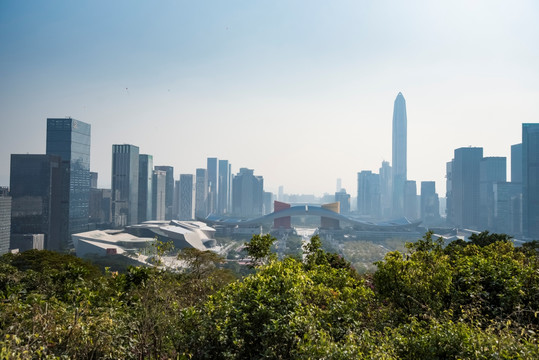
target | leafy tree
[
  {"x": 278, "y": 310},
  {"x": 485, "y": 238},
  {"x": 259, "y": 249},
  {"x": 418, "y": 283}
]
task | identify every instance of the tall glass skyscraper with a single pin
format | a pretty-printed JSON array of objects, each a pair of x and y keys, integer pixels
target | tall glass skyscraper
[
  {"x": 201, "y": 194},
  {"x": 125, "y": 169},
  {"x": 70, "y": 139},
  {"x": 224, "y": 187},
  {"x": 399, "y": 154},
  {"x": 169, "y": 190},
  {"x": 465, "y": 181},
  {"x": 530, "y": 180},
  {"x": 145, "y": 187},
  {"x": 213, "y": 175},
  {"x": 187, "y": 192}
]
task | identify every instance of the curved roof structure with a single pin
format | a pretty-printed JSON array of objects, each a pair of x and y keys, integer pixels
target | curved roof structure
[{"x": 302, "y": 210}]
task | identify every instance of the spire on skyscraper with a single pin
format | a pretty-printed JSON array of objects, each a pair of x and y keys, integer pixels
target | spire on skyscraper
[{"x": 399, "y": 154}]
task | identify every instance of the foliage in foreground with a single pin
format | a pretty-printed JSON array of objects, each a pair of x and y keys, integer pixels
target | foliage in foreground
[{"x": 477, "y": 300}]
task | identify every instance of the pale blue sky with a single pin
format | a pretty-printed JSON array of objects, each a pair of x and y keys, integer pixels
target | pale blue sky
[{"x": 301, "y": 91}]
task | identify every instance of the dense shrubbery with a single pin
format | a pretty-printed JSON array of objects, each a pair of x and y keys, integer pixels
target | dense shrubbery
[{"x": 477, "y": 300}]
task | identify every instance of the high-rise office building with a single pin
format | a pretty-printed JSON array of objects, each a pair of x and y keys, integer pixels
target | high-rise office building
[
  {"x": 516, "y": 163},
  {"x": 186, "y": 197},
  {"x": 100, "y": 208},
  {"x": 201, "y": 193},
  {"x": 70, "y": 139},
  {"x": 224, "y": 187},
  {"x": 145, "y": 176},
  {"x": 430, "y": 204},
  {"x": 504, "y": 193},
  {"x": 169, "y": 192},
  {"x": 93, "y": 180},
  {"x": 176, "y": 203},
  {"x": 159, "y": 195},
  {"x": 411, "y": 203},
  {"x": 449, "y": 192},
  {"x": 399, "y": 154},
  {"x": 386, "y": 194},
  {"x": 213, "y": 176},
  {"x": 344, "y": 200},
  {"x": 368, "y": 193},
  {"x": 492, "y": 169},
  {"x": 5, "y": 220},
  {"x": 125, "y": 169},
  {"x": 530, "y": 180},
  {"x": 268, "y": 202},
  {"x": 37, "y": 189},
  {"x": 464, "y": 195},
  {"x": 247, "y": 194}
]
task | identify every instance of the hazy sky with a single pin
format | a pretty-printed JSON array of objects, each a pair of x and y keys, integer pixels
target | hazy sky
[{"x": 301, "y": 91}]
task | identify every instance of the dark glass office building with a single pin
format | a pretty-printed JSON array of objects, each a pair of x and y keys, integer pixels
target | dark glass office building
[
  {"x": 37, "y": 190},
  {"x": 530, "y": 180},
  {"x": 70, "y": 139}
]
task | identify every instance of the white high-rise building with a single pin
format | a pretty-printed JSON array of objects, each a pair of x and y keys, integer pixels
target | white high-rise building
[{"x": 399, "y": 154}]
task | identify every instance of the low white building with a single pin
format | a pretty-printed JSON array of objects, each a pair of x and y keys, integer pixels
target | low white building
[{"x": 135, "y": 238}]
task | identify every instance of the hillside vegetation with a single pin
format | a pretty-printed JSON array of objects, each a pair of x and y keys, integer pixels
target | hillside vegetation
[{"x": 477, "y": 300}]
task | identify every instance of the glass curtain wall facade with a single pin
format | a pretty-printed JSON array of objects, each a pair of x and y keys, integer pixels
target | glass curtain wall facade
[
  {"x": 145, "y": 187},
  {"x": 169, "y": 190},
  {"x": 125, "y": 169},
  {"x": 399, "y": 167},
  {"x": 70, "y": 139},
  {"x": 37, "y": 202},
  {"x": 530, "y": 180}
]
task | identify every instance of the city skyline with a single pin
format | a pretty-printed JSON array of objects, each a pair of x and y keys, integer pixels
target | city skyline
[{"x": 311, "y": 86}]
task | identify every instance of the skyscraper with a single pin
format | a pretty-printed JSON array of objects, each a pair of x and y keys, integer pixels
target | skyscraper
[
  {"x": 187, "y": 191},
  {"x": 492, "y": 169},
  {"x": 70, "y": 139},
  {"x": 530, "y": 180},
  {"x": 38, "y": 207},
  {"x": 399, "y": 154},
  {"x": 224, "y": 187},
  {"x": 201, "y": 196},
  {"x": 169, "y": 190},
  {"x": 159, "y": 195},
  {"x": 213, "y": 175},
  {"x": 5, "y": 220},
  {"x": 145, "y": 176},
  {"x": 344, "y": 200},
  {"x": 430, "y": 204},
  {"x": 465, "y": 187},
  {"x": 125, "y": 169},
  {"x": 386, "y": 195},
  {"x": 93, "y": 180},
  {"x": 411, "y": 203},
  {"x": 368, "y": 193},
  {"x": 504, "y": 193},
  {"x": 247, "y": 193},
  {"x": 516, "y": 163}
]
